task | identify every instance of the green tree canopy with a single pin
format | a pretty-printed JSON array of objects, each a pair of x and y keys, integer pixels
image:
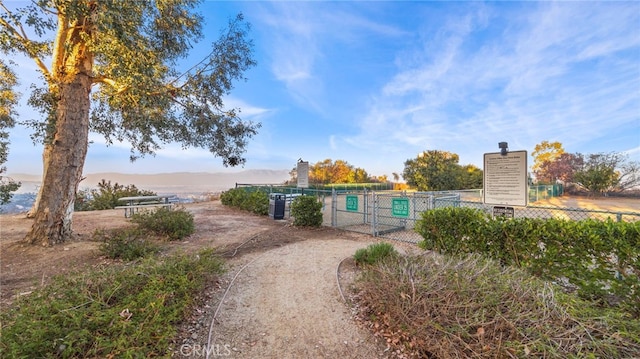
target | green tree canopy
[
  {"x": 435, "y": 170},
  {"x": 607, "y": 172},
  {"x": 8, "y": 100},
  {"x": 115, "y": 70}
]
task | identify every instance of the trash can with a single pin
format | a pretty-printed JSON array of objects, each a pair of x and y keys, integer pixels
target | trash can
[{"x": 276, "y": 205}]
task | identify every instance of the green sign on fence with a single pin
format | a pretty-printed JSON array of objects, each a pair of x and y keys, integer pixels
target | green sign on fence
[
  {"x": 400, "y": 207},
  {"x": 352, "y": 203}
]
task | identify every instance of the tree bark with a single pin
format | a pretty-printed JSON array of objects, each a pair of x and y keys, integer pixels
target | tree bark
[{"x": 63, "y": 160}]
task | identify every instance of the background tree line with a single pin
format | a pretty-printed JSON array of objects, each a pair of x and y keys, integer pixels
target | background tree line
[
  {"x": 339, "y": 171},
  {"x": 431, "y": 171},
  {"x": 436, "y": 170},
  {"x": 597, "y": 174}
]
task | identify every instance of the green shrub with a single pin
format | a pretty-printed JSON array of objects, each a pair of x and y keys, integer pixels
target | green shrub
[
  {"x": 306, "y": 211},
  {"x": 174, "y": 224},
  {"x": 126, "y": 244},
  {"x": 598, "y": 258},
  {"x": 258, "y": 203},
  {"x": 117, "y": 311},
  {"x": 106, "y": 196},
  {"x": 444, "y": 306},
  {"x": 374, "y": 253},
  {"x": 451, "y": 229},
  {"x": 252, "y": 201}
]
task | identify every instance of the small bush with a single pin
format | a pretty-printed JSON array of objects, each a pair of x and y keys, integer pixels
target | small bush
[
  {"x": 174, "y": 224},
  {"x": 374, "y": 253},
  {"x": 106, "y": 196},
  {"x": 307, "y": 211},
  {"x": 126, "y": 244}
]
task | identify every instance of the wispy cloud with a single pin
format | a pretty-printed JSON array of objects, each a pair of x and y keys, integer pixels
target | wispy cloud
[
  {"x": 555, "y": 73},
  {"x": 300, "y": 35}
]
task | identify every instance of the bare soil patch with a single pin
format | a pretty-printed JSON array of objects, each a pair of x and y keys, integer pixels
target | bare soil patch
[{"x": 616, "y": 204}]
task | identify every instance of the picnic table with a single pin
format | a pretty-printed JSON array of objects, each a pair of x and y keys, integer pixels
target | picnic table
[{"x": 136, "y": 203}]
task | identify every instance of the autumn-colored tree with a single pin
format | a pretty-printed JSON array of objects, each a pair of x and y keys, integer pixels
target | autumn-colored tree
[
  {"x": 562, "y": 168},
  {"x": 338, "y": 171},
  {"x": 543, "y": 152},
  {"x": 114, "y": 70},
  {"x": 8, "y": 100},
  {"x": 329, "y": 171}
]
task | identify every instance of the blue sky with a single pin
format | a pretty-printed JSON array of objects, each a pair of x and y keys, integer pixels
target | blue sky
[{"x": 375, "y": 83}]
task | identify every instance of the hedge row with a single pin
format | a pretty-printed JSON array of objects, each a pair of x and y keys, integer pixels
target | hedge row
[
  {"x": 256, "y": 202},
  {"x": 600, "y": 259}
]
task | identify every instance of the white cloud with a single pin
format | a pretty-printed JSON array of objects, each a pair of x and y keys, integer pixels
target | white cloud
[
  {"x": 300, "y": 37},
  {"x": 529, "y": 84}
]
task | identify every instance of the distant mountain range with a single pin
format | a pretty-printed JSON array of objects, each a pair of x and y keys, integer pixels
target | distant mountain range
[
  {"x": 183, "y": 184},
  {"x": 184, "y": 179}
]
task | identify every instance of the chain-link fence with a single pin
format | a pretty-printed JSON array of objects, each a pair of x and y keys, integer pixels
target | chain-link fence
[
  {"x": 390, "y": 214},
  {"x": 546, "y": 212},
  {"x": 393, "y": 215},
  {"x": 545, "y": 191}
]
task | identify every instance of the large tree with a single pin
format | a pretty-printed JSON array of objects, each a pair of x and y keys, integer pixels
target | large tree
[
  {"x": 435, "y": 170},
  {"x": 562, "y": 168},
  {"x": 8, "y": 101},
  {"x": 607, "y": 172},
  {"x": 114, "y": 69}
]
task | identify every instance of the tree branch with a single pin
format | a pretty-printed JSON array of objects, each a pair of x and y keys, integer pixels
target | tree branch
[{"x": 23, "y": 39}]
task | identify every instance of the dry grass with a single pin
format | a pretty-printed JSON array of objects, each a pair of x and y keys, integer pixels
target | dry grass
[{"x": 430, "y": 306}]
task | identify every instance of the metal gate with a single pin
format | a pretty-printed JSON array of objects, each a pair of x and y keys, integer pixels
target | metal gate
[{"x": 386, "y": 214}]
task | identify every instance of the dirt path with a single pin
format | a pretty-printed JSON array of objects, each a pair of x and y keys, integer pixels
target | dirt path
[
  {"x": 283, "y": 303},
  {"x": 286, "y": 304}
]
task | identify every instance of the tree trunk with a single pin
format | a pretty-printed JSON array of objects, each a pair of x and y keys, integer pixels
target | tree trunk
[
  {"x": 63, "y": 160},
  {"x": 34, "y": 207}
]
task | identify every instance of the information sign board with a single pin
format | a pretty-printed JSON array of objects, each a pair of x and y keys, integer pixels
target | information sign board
[
  {"x": 400, "y": 207},
  {"x": 302, "y": 171},
  {"x": 352, "y": 203},
  {"x": 505, "y": 178}
]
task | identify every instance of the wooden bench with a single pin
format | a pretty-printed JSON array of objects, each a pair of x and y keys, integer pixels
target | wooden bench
[{"x": 134, "y": 204}]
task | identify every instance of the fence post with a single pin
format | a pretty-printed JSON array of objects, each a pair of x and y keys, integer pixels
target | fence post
[
  {"x": 374, "y": 215},
  {"x": 365, "y": 205},
  {"x": 413, "y": 202},
  {"x": 334, "y": 208}
]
